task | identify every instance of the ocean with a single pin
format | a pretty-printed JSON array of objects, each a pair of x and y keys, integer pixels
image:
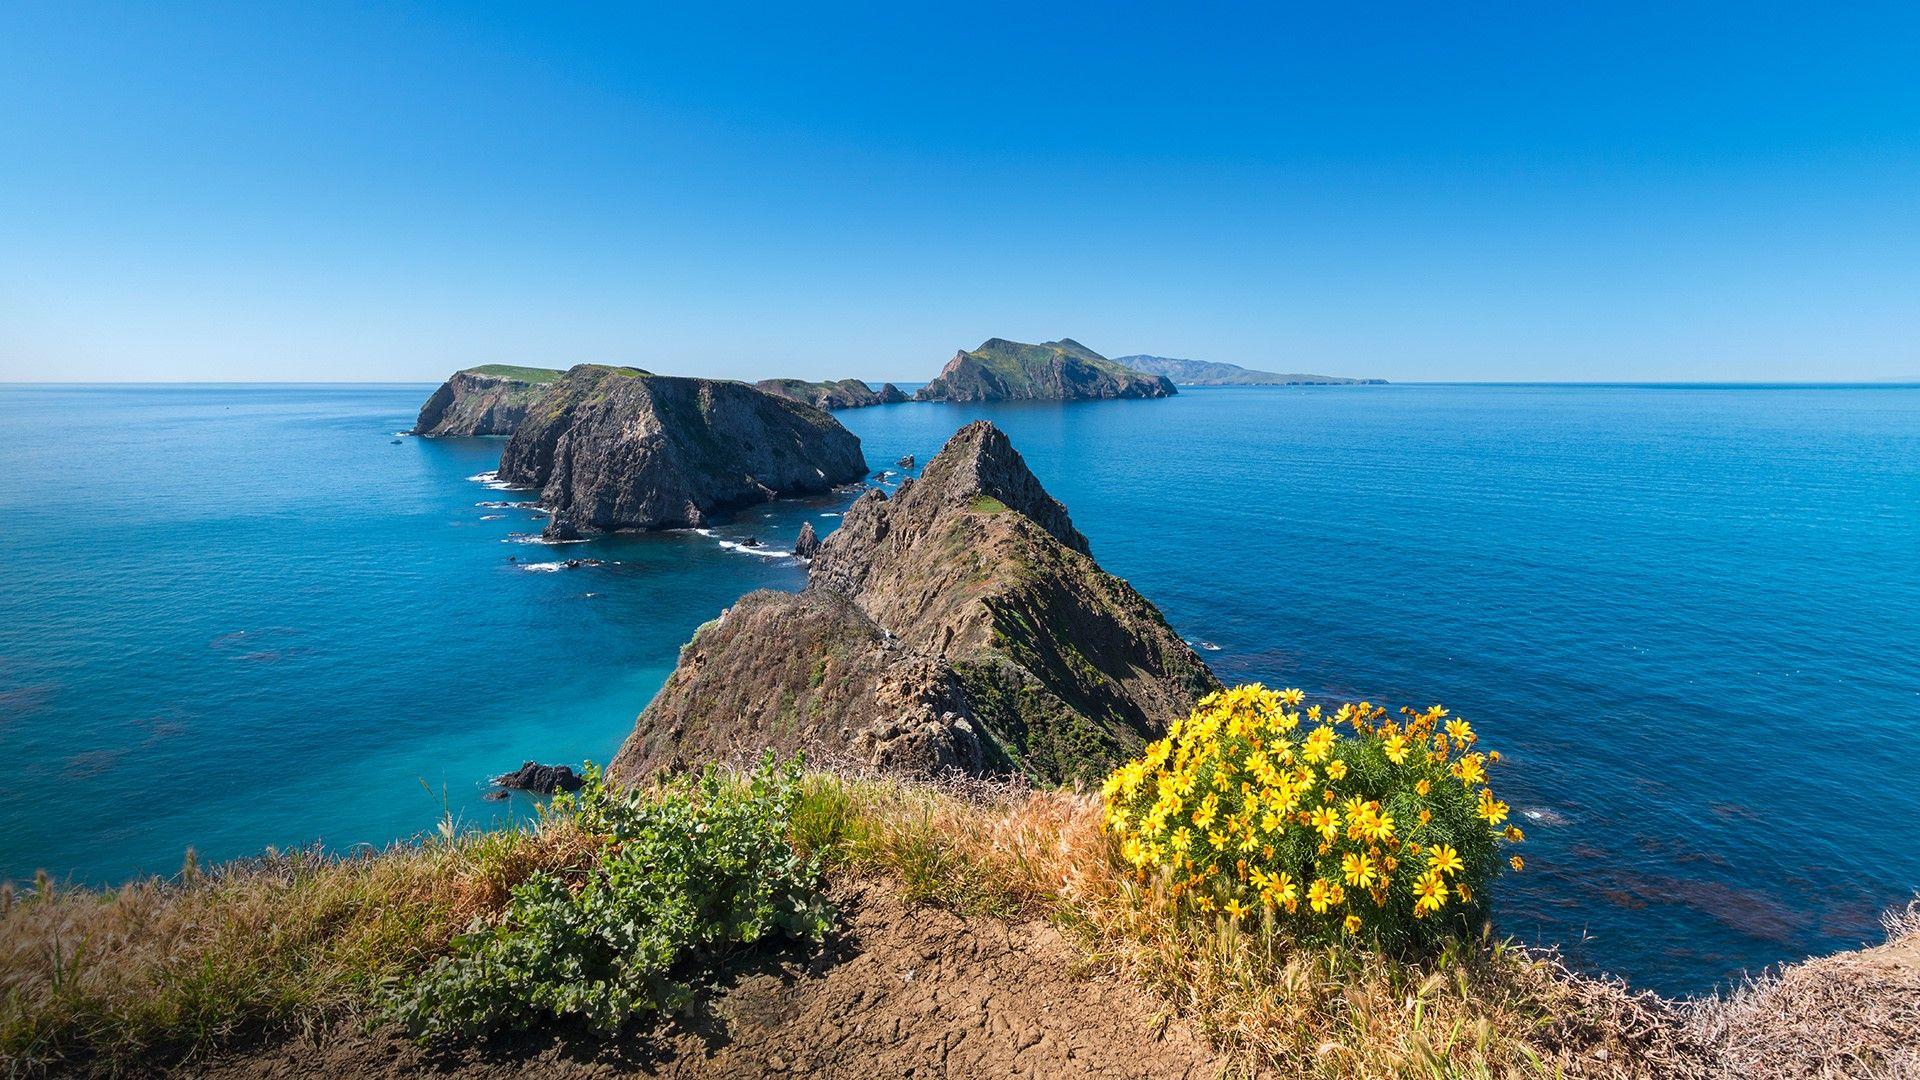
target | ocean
[{"x": 241, "y": 616}]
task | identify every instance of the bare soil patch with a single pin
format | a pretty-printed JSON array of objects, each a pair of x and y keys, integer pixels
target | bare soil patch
[{"x": 899, "y": 991}]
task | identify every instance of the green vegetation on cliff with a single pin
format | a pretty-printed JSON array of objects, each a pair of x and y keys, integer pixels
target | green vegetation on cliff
[{"x": 1064, "y": 370}]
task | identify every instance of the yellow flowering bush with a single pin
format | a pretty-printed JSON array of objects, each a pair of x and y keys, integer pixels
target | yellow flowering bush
[{"x": 1341, "y": 824}]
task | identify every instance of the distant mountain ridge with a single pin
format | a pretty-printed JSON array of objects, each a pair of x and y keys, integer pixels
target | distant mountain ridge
[
  {"x": 1064, "y": 370},
  {"x": 1212, "y": 373}
]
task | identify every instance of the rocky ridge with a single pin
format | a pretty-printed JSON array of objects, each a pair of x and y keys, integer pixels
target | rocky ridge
[
  {"x": 619, "y": 448},
  {"x": 488, "y": 400},
  {"x": 960, "y": 625},
  {"x": 838, "y": 394},
  {"x": 1064, "y": 370},
  {"x": 1211, "y": 373}
]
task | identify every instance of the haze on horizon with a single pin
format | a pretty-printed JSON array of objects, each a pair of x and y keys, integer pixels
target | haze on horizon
[{"x": 1499, "y": 192}]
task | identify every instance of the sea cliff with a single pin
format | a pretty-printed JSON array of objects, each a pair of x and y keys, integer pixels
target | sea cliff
[
  {"x": 489, "y": 400},
  {"x": 1064, "y": 370}
]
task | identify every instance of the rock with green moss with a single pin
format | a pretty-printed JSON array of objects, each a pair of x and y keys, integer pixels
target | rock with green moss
[
  {"x": 488, "y": 400},
  {"x": 1064, "y": 370},
  {"x": 839, "y": 394},
  {"x": 961, "y": 624},
  {"x": 613, "y": 448}
]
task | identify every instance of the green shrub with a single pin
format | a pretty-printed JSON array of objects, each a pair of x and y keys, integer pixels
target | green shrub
[{"x": 680, "y": 877}]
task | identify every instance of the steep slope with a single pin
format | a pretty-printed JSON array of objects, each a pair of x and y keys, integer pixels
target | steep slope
[
  {"x": 839, "y": 394},
  {"x": 961, "y": 624},
  {"x": 1064, "y": 370},
  {"x": 488, "y": 400},
  {"x": 1210, "y": 373},
  {"x": 619, "y": 448}
]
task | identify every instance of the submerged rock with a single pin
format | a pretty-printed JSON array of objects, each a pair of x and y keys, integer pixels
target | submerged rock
[
  {"x": 620, "y": 448},
  {"x": 489, "y": 400},
  {"x": 961, "y": 624},
  {"x": 1064, "y": 370},
  {"x": 540, "y": 779},
  {"x": 905, "y": 462}
]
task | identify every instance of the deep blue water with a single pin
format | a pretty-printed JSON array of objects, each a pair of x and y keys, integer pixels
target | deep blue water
[{"x": 240, "y": 616}]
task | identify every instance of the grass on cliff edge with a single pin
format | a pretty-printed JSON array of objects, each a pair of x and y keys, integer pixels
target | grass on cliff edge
[
  {"x": 536, "y": 375},
  {"x": 172, "y": 971}
]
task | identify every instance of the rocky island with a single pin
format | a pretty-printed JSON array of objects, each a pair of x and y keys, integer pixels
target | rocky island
[
  {"x": 1210, "y": 373},
  {"x": 839, "y": 394},
  {"x": 1064, "y": 370},
  {"x": 487, "y": 400},
  {"x": 613, "y": 448},
  {"x": 960, "y": 625}
]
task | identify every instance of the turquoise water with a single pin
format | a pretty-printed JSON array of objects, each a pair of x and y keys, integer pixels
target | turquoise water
[{"x": 240, "y": 616}]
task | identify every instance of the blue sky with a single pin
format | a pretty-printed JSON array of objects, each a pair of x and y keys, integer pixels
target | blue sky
[{"x": 1525, "y": 191}]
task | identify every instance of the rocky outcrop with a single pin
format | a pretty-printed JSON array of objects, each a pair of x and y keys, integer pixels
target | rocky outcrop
[
  {"x": 961, "y": 624},
  {"x": 540, "y": 779},
  {"x": 619, "y": 448},
  {"x": 490, "y": 400},
  {"x": 840, "y": 394},
  {"x": 1064, "y": 370},
  {"x": 905, "y": 462},
  {"x": 807, "y": 544},
  {"x": 1210, "y": 373}
]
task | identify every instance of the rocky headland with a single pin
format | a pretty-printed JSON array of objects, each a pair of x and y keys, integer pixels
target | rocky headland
[
  {"x": 488, "y": 400},
  {"x": 1211, "y": 373},
  {"x": 960, "y": 625},
  {"x": 838, "y": 394},
  {"x": 613, "y": 448},
  {"x": 1064, "y": 370}
]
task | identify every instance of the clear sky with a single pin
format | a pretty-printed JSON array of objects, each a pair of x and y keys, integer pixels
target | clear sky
[{"x": 1420, "y": 191}]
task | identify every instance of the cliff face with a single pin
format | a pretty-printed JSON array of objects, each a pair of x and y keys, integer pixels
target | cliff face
[
  {"x": 1064, "y": 370},
  {"x": 841, "y": 394},
  {"x": 618, "y": 448},
  {"x": 960, "y": 624},
  {"x": 490, "y": 400}
]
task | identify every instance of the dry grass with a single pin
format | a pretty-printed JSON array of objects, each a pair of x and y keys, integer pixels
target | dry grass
[
  {"x": 163, "y": 971},
  {"x": 166, "y": 972},
  {"x": 1852, "y": 1014}
]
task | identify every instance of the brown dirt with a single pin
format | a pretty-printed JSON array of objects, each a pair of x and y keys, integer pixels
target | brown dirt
[{"x": 901, "y": 991}]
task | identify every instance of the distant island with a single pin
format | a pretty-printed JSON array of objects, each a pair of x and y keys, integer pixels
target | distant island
[
  {"x": 1211, "y": 373},
  {"x": 838, "y": 394},
  {"x": 1064, "y": 370}
]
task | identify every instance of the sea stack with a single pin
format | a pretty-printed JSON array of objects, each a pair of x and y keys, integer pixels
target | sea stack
[
  {"x": 960, "y": 625},
  {"x": 1064, "y": 370},
  {"x": 807, "y": 544},
  {"x": 613, "y": 448},
  {"x": 489, "y": 400}
]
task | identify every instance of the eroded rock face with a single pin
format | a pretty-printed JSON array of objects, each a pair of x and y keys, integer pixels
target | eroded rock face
[
  {"x": 489, "y": 400},
  {"x": 619, "y": 448},
  {"x": 838, "y": 394},
  {"x": 1064, "y": 370},
  {"x": 960, "y": 624},
  {"x": 807, "y": 544}
]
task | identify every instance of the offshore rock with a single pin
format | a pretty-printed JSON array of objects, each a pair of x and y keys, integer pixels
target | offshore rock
[
  {"x": 1064, "y": 370},
  {"x": 619, "y": 448},
  {"x": 489, "y": 400},
  {"x": 807, "y": 544},
  {"x": 838, "y": 394},
  {"x": 540, "y": 779}
]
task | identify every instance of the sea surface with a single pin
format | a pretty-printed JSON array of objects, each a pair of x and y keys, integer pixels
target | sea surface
[{"x": 241, "y": 616}]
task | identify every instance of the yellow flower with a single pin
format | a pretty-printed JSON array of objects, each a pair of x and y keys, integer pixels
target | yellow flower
[
  {"x": 1358, "y": 869},
  {"x": 1493, "y": 810},
  {"x": 1380, "y": 828},
  {"x": 1514, "y": 834},
  {"x": 1444, "y": 860},
  {"x": 1517, "y": 863},
  {"x": 1396, "y": 748},
  {"x": 1292, "y": 696},
  {"x": 1234, "y": 909},
  {"x": 1468, "y": 769},
  {"x": 1430, "y": 894},
  {"x": 1284, "y": 890},
  {"x": 1317, "y": 896},
  {"x": 1326, "y": 821},
  {"x": 1423, "y": 787},
  {"x": 1352, "y": 924},
  {"x": 1319, "y": 744},
  {"x": 1336, "y": 770}
]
